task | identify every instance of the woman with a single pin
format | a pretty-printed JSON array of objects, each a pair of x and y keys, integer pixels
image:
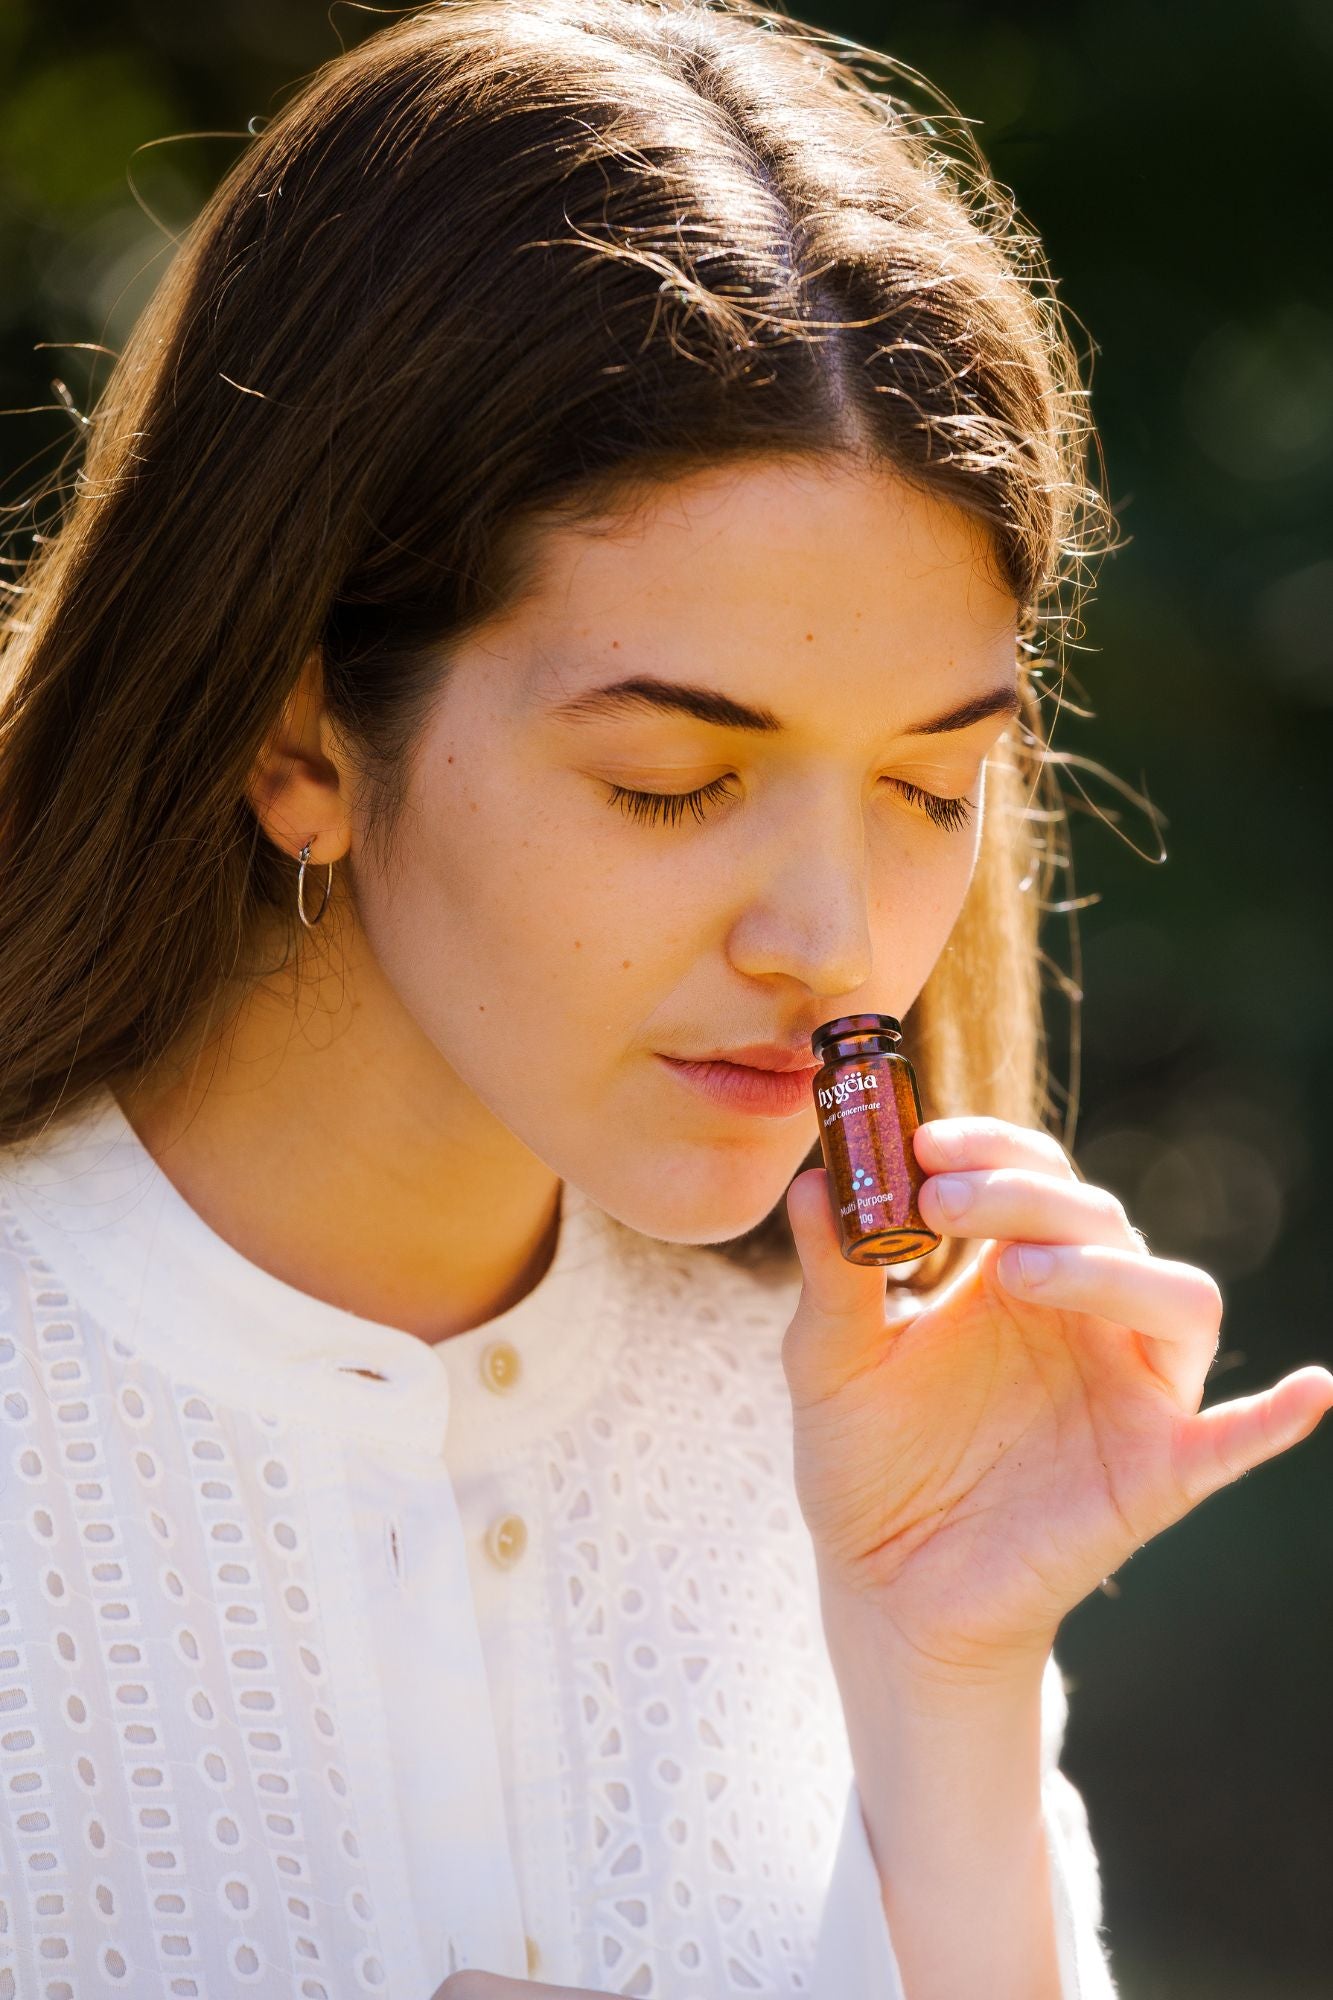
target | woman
[{"x": 465, "y": 1522}]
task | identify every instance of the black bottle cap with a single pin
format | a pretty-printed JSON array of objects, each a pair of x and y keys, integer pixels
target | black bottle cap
[{"x": 846, "y": 1027}]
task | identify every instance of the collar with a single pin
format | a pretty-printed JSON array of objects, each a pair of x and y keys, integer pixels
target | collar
[{"x": 92, "y": 1202}]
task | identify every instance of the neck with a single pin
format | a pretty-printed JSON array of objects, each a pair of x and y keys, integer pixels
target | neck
[{"x": 348, "y": 1158}]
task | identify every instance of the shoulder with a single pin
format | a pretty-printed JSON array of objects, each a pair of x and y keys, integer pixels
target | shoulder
[
  {"x": 33, "y": 1259},
  {"x": 24, "y": 1278},
  {"x": 46, "y": 1320}
]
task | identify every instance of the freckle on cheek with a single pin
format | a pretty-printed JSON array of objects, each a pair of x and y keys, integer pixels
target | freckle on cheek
[{"x": 625, "y": 964}]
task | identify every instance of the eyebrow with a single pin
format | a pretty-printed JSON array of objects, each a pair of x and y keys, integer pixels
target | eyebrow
[{"x": 710, "y": 705}]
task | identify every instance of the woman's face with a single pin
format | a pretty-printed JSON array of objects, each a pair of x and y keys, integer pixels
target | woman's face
[{"x": 551, "y": 946}]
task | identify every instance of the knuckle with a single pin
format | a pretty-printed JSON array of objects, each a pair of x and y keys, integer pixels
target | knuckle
[
  {"x": 1202, "y": 1290},
  {"x": 986, "y": 1131}
]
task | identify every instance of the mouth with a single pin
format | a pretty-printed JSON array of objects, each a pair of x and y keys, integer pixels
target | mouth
[
  {"x": 747, "y": 1087},
  {"x": 761, "y": 1055}
]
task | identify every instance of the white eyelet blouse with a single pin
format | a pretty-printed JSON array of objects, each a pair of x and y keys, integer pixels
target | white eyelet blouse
[{"x": 332, "y": 1661}]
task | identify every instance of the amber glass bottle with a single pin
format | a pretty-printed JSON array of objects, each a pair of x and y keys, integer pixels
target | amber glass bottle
[{"x": 869, "y": 1107}]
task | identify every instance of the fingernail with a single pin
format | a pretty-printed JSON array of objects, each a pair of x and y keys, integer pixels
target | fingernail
[
  {"x": 1035, "y": 1264},
  {"x": 954, "y": 1192}
]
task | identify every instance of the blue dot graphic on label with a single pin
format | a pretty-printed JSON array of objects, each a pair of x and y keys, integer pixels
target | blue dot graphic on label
[{"x": 861, "y": 1179}]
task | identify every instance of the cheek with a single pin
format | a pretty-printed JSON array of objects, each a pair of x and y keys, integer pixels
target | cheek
[
  {"x": 945, "y": 880},
  {"x": 502, "y": 914},
  {"x": 920, "y": 887},
  {"x": 955, "y": 868},
  {"x": 923, "y": 869}
]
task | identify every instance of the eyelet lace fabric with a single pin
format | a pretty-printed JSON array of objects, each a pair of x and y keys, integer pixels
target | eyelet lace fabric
[{"x": 332, "y": 1661}]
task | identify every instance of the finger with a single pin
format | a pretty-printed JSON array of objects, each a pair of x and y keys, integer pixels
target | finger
[
  {"x": 942, "y": 1143},
  {"x": 839, "y": 1324},
  {"x": 1223, "y": 1443},
  {"x": 1175, "y": 1309},
  {"x": 833, "y": 1286},
  {"x": 1015, "y": 1203}
]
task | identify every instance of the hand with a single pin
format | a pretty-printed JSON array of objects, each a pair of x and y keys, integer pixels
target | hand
[{"x": 970, "y": 1469}]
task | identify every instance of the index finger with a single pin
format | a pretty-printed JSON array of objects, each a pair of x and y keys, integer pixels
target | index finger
[{"x": 982, "y": 1141}]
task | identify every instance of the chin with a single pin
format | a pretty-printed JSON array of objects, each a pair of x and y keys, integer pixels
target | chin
[{"x": 700, "y": 1215}]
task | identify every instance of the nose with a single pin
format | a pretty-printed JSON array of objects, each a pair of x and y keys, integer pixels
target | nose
[{"x": 805, "y": 910}]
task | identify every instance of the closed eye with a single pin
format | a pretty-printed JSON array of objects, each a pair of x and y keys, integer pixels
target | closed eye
[{"x": 670, "y": 807}]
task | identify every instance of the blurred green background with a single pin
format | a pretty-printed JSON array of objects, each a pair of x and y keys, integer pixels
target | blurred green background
[{"x": 1176, "y": 163}]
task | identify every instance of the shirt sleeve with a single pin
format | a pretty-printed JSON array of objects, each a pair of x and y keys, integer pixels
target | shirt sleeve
[{"x": 854, "y": 1955}]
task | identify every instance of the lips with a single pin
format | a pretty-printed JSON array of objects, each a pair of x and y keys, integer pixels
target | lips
[
  {"x": 747, "y": 1087},
  {"x": 759, "y": 1055}
]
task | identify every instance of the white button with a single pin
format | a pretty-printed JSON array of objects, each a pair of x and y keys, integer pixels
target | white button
[
  {"x": 501, "y": 1366},
  {"x": 506, "y": 1540}
]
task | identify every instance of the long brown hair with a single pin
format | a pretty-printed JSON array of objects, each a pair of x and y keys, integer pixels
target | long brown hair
[{"x": 509, "y": 262}]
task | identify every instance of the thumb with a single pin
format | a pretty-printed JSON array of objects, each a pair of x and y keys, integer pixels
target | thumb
[
  {"x": 1223, "y": 1443},
  {"x": 839, "y": 1325}
]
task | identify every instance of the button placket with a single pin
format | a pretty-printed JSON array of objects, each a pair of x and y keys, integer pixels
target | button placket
[
  {"x": 501, "y": 1366},
  {"x": 506, "y": 1539}
]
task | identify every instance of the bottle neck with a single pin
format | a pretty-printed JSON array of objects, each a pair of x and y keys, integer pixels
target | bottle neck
[
  {"x": 855, "y": 1048},
  {"x": 848, "y": 1037}
]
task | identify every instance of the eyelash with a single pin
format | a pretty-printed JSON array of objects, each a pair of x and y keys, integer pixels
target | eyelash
[{"x": 656, "y": 807}]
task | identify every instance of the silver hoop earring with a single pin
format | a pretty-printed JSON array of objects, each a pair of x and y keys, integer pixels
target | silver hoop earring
[{"x": 310, "y": 922}]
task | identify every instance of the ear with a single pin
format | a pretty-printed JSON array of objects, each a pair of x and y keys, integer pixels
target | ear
[{"x": 298, "y": 790}]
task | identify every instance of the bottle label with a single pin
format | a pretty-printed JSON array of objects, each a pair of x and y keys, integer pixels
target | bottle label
[
  {"x": 864, "y": 1208},
  {"x": 868, "y": 1110},
  {"x": 859, "y": 1079}
]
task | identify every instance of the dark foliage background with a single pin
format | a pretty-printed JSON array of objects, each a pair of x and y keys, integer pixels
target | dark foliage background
[{"x": 1176, "y": 163}]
